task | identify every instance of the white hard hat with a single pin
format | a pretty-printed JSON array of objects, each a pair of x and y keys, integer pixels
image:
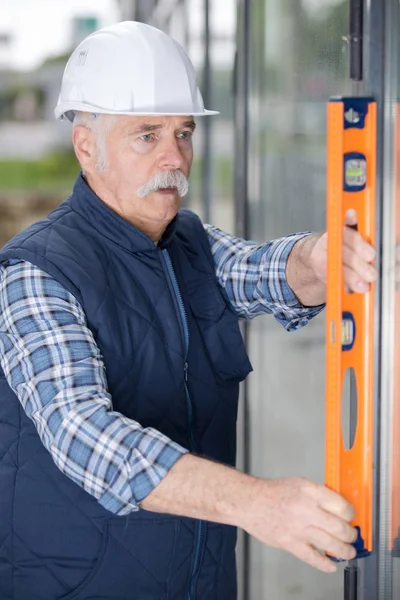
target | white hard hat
[{"x": 130, "y": 68}]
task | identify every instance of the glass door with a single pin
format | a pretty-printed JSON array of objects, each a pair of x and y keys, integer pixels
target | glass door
[{"x": 293, "y": 55}]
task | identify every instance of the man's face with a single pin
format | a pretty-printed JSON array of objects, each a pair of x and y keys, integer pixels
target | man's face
[{"x": 136, "y": 150}]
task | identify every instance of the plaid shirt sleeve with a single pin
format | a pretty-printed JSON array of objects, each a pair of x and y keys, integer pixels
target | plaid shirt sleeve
[
  {"x": 254, "y": 277},
  {"x": 51, "y": 361}
]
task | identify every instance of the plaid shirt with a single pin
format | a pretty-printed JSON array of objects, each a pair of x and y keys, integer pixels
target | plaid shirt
[{"x": 51, "y": 361}]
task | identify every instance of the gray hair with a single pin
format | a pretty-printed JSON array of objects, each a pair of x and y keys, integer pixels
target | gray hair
[{"x": 101, "y": 125}]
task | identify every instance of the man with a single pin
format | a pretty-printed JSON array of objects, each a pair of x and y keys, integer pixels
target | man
[{"x": 121, "y": 357}]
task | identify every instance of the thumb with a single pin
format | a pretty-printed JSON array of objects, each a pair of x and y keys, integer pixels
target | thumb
[{"x": 350, "y": 218}]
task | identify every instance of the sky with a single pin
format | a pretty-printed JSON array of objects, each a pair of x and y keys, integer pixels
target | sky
[{"x": 42, "y": 27}]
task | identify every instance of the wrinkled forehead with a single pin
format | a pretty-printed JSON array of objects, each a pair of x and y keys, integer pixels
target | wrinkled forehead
[{"x": 153, "y": 123}]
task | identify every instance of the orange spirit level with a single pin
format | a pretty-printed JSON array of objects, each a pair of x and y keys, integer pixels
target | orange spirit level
[{"x": 351, "y": 184}]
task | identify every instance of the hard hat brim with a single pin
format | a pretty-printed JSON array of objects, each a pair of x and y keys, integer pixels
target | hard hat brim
[{"x": 67, "y": 108}]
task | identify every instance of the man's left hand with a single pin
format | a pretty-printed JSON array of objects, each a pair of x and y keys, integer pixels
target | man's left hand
[{"x": 357, "y": 256}]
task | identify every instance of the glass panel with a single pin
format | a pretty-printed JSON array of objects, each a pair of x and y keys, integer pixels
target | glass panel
[
  {"x": 298, "y": 60},
  {"x": 217, "y": 191}
]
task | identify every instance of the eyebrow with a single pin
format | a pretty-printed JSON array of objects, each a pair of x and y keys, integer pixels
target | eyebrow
[
  {"x": 190, "y": 124},
  {"x": 145, "y": 127}
]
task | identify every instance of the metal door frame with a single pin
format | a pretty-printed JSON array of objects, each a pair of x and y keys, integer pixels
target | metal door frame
[{"x": 381, "y": 49}]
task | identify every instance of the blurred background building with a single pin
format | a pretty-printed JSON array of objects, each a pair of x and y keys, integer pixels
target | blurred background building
[{"x": 269, "y": 66}]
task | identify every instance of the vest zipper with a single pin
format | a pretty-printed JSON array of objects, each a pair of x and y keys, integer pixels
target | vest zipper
[{"x": 200, "y": 525}]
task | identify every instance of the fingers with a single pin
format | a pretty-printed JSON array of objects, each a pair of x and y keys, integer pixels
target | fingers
[
  {"x": 332, "y": 531},
  {"x": 337, "y": 527},
  {"x": 356, "y": 243},
  {"x": 331, "y": 544},
  {"x": 315, "y": 559},
  {"x": 356, "y": 262},
  {"x": 354, "y": 282},
  {"x": 332, "y": 503},
  {"x": 301, "y": 517},
  {"x": 357, "y": 255}
]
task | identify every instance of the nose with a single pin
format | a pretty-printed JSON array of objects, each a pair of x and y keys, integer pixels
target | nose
[{"x": 171, "y": 156}]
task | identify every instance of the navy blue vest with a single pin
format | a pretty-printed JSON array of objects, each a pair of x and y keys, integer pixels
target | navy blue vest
[{"x": 56, "y": 541}]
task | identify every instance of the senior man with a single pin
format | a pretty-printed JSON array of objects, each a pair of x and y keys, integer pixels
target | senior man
[{"x": 121, "y": 357}]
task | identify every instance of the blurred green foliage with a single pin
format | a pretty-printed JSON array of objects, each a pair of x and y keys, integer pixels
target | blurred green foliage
[{"x": 55, "y": 172}]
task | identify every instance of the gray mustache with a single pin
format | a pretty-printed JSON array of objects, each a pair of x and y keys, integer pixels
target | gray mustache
[{"x": 165, "y": 179}]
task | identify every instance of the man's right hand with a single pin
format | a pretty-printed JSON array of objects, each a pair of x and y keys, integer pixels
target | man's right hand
[
  {"x": 300, "y": 516},
  {"x": 295, "y": 514}
]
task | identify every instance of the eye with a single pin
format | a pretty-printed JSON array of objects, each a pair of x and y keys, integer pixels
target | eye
[
  {"x": 185, "y": 135},
  {"x": 147, "y": 137}
]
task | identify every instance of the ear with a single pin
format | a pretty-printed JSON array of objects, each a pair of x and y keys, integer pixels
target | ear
[{"x": 85, "y": 147}]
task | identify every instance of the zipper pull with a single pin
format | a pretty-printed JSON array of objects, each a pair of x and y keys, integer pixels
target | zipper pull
[{"x": 185, "y": 371}]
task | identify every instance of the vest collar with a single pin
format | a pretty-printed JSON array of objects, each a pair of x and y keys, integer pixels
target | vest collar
[{"x": 108, "y": 223}]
